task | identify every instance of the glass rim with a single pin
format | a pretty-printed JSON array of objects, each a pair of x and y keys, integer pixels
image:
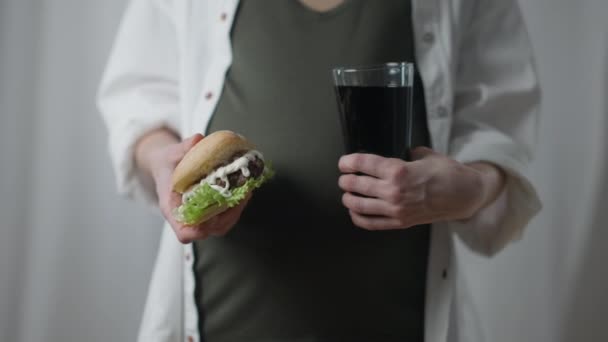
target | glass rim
[{"x": 372, "y": 67}]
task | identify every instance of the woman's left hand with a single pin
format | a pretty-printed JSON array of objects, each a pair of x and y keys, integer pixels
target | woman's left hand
[{"x": 399, "y": 194}]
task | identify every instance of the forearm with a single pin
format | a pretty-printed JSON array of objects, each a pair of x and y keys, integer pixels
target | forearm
[
  {"x": 150, "y": 144},
  {"x": 492, "y": 182}
]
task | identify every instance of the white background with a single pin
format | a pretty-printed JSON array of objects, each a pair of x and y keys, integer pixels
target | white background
[{"x": 75, "y": 259}]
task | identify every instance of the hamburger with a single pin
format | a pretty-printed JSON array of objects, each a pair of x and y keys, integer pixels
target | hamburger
[{"x": 217, "y": 173}]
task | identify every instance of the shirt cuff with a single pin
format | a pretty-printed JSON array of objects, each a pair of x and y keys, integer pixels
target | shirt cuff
[
  {"x": 503, "y": 220},
  {"x": 130, "y": 181}
]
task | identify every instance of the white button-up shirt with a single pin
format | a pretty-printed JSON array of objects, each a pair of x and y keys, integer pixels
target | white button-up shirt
[{"x": 168, "y": 66}]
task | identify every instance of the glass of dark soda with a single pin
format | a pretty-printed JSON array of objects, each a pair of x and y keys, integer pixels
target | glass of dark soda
[{"x": 375, "y": 104}]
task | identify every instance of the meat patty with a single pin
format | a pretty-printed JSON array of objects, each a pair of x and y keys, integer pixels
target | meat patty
[
  {"x": 236, "y": 179},
  {"x": 256, "y": 167}
]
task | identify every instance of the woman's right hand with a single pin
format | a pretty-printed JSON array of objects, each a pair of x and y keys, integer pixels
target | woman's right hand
[{"x": 161, "y": 162}]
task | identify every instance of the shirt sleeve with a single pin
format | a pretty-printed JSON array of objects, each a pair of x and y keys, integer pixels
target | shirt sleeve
[
  {"x": 139, "y": 89},
  {"x": 496, "y": 109}
]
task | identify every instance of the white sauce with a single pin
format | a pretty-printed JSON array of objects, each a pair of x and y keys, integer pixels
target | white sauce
[{"x": 222, "y": 174}]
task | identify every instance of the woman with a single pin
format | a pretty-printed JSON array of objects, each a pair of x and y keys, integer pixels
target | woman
[{"x": 354, "y": 247}]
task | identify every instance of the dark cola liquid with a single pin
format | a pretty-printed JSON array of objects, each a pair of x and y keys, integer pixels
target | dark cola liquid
[{"x": 376, "y": 120}]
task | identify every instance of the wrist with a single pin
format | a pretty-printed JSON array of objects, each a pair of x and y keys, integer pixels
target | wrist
[
  {"x": 156, "y": 164},
  {"x": 148, "y": 151},
  {"x": 491, "y": 181}
]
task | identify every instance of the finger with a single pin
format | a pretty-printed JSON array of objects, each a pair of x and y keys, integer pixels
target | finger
[
  {"x": 217, "y": 232},
  {"x": 226, "y": 220},
  {"x": 221, "y": 224},
  {"x": 367, "y": 206},
  {"x": 222, "y": 227},
  {"x": 184, "y": 233},
  {"x": 421, "y": 152},
  {"x": 375, "y": 222},
  {"x": 187, "y": 234},
  {"x": 175, "y": 200},
  {"x": 234, "y": 213},
  {"x": 167, "y": 202},
  {"x": 369, "y": 164},
  {"x": 187, "y": 144},
  {"x": 364, "y": 185},
  {"x": 177, "y": 151}
]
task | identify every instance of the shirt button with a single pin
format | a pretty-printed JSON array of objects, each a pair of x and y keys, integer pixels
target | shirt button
[
  {"x": 209, "y": 95},
  {"x": 187, "y": 256},
  {"x": 429, "y": 38},
  {"x": 444, "y": 273},
  {"x": 223, "y": 17},
  {"x": 190, "y": 339},
  {"x": 442, "y": 112}
]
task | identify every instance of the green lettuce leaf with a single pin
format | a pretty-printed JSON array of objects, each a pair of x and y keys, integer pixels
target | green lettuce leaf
[{"x": 205, "y": 197}]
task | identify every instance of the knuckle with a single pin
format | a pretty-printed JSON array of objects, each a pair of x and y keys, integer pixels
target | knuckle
[
  {"x": 357, "y": 161},
  {"x": 348, "y": 201},
  {"x": 395, "y": 211},
  {"x": 393, "y": 195},
  {"x": 364, "y": 185},
  {"x": 353, "y": 183},
  {"x": 357, "y": 204},
  {"x": 346, "y": 182},
  {"x": 399, "y": 171},
  {"x": 345, "y": 200},
  {"x": 361, "y": 222}
]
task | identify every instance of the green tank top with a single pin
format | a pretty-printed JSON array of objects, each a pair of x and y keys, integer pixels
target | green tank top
[{"x": 295, "y": 268}]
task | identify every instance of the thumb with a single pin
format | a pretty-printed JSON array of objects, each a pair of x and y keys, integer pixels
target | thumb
[
  {"x": 187, "y": 144},
  {"x": 421, "y": 152}
]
